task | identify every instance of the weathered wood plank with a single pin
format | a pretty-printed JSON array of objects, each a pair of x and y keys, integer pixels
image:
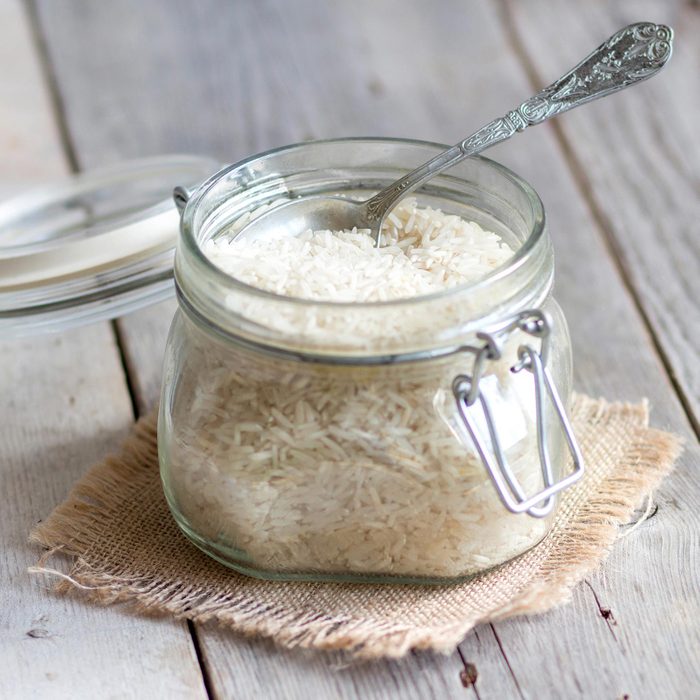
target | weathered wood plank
[
  {"x": 638, "y": 157},
  {"x": 254, "y": 75},
  {"x": 58, "y": 416},
  {"x": 248, "y": 669}
]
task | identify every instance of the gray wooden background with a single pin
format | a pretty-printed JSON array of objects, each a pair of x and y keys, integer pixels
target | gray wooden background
[{"x": 85, "y": 83}]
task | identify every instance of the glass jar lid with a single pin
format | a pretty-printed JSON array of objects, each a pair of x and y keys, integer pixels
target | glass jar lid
[{"x": 94, "y": 246}]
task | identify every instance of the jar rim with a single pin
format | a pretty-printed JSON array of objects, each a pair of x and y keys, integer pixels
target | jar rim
[{"x": 193, "y": 249}]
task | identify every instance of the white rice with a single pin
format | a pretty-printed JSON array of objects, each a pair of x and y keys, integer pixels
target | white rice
[
  {"x": 358, "y": 470},
  {"x": 423, "y": 251}
]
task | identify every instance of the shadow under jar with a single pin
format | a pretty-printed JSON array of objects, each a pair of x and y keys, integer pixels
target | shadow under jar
[{"x": 419, "y": 440}]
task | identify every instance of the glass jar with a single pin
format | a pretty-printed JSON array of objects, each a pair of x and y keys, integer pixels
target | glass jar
[{"x": 419, "y": 440}]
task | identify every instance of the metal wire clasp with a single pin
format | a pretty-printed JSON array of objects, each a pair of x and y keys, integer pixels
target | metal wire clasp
[{"x": 467, "y": 393}]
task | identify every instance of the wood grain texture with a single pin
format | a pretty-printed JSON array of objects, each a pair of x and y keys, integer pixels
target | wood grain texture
[
  {"x": 58, "y": 416},
  {"x": 252, "y": 75},
  {"x": 252, "y": 668},
  {"x": 638, "y": 157}
]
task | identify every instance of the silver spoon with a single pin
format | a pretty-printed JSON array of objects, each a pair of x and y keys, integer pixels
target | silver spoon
[{"x": 631, "y": 55}]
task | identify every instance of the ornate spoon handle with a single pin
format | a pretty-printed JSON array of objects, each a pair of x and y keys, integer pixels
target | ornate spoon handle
[{"x": 629, "y": 56}]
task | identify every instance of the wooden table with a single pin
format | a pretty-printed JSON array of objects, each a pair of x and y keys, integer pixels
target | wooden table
[{"x": 86, "y": 83}]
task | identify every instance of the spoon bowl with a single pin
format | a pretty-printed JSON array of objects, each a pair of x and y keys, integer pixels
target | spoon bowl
[{"x": 318, "y": 213}]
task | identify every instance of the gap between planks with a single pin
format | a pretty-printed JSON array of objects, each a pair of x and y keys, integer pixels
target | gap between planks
[
  {"x": 57, "y": 104},
  {"x": 199, "y": 652}
]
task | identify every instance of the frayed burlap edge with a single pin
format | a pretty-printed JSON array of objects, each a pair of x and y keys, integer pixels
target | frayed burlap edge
[{"x": 581, "y": 538}]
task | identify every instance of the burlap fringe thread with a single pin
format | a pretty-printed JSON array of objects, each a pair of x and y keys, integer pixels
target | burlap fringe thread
[{"x": 126, "y": 549}]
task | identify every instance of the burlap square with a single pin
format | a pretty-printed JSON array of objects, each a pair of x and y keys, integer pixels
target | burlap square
[{"x": 126, "y": 548}]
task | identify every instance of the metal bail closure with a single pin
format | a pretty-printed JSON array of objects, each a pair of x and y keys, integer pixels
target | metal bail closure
[{"x": 466, "y": 391}]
